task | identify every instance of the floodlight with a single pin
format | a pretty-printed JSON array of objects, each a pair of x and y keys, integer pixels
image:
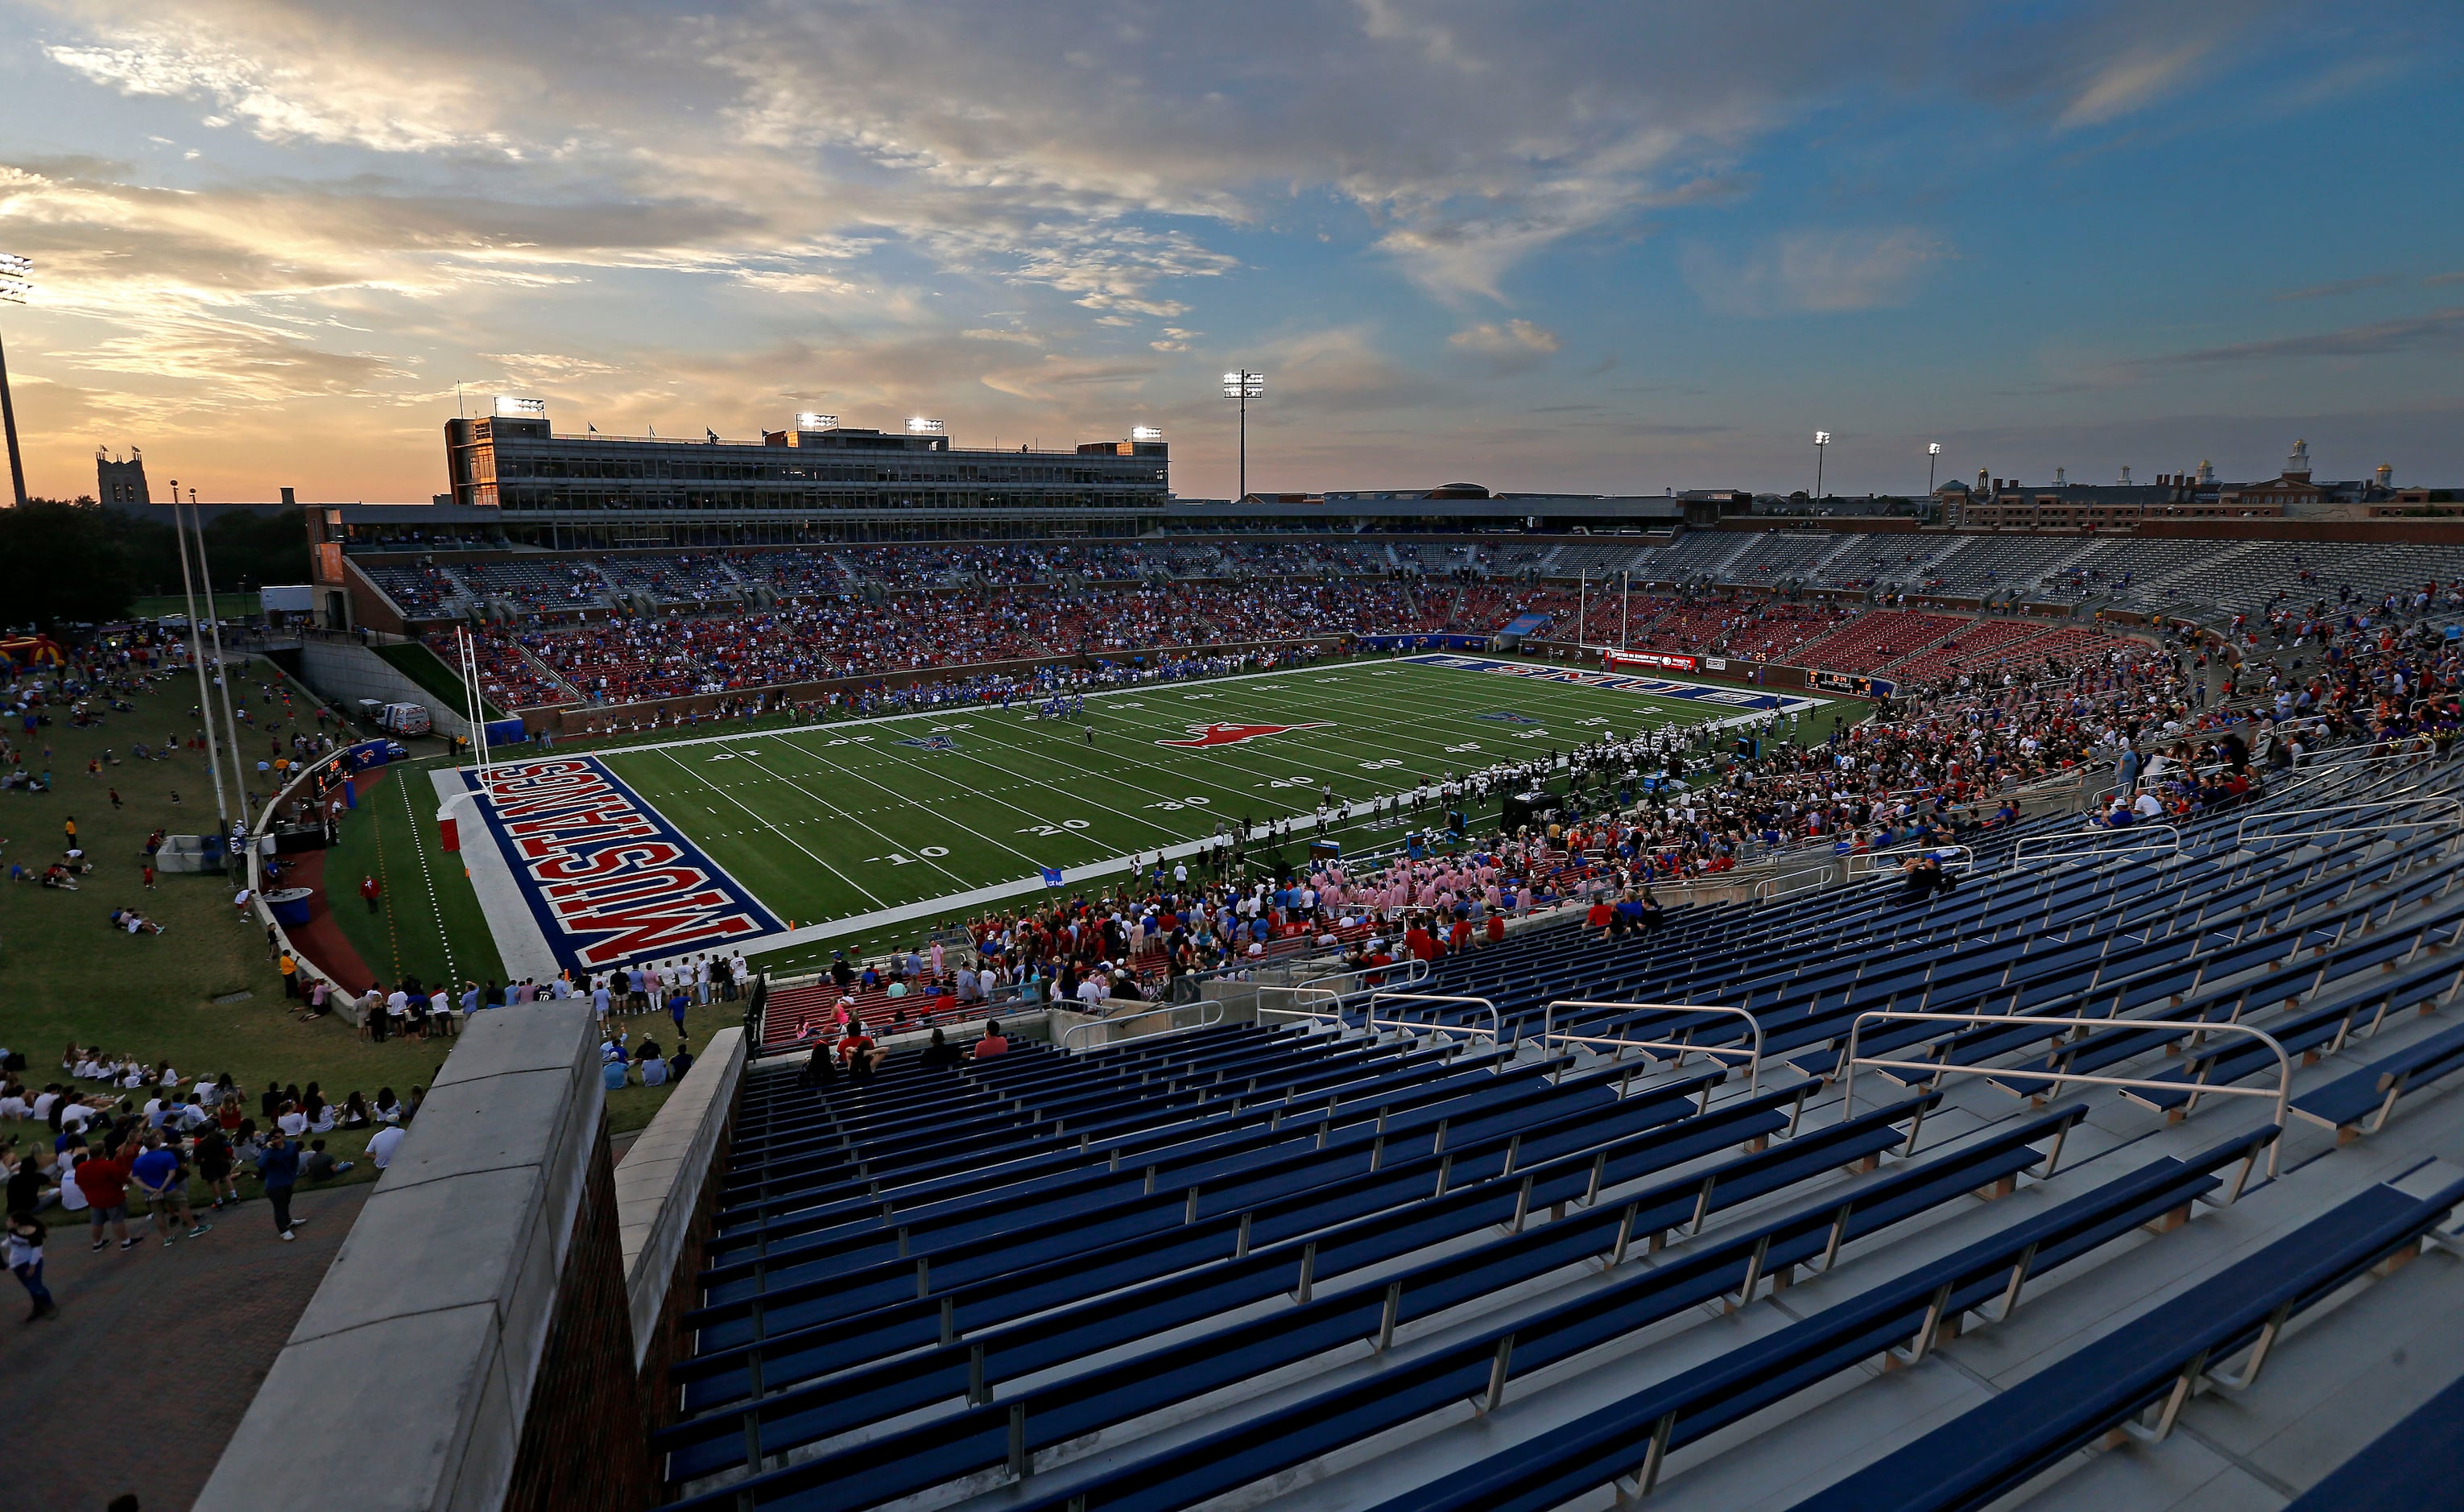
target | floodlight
[
  {"x": 918, "y": 426},
  {"x": 1822, "y": 438},
  {"x": 1146, "y": 433},
  {"x": 513, "y": 408},
  {"x": 808, "y": 421},
  {"x": 1933, "y": 448}
]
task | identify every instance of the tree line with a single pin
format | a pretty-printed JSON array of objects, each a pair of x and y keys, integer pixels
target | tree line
[{"x": 64, "y": 562}]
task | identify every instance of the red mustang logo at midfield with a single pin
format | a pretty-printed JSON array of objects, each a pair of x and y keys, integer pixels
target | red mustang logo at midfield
[{"x": 1236, "y": 735}]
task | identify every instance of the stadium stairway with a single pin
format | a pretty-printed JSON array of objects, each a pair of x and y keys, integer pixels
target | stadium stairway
[{"x": 1423, "y": 1267}]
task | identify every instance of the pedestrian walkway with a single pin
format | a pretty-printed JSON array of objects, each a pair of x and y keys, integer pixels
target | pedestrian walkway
[{"x": 177, "y": 1341}]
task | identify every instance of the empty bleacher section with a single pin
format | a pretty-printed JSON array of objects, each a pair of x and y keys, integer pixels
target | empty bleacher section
[
  {"x": 683, "y": 578},
  {"x": 424, "y": 592},
  {"x": 1785, "y": 557},
  {"x": 1503, "y": 1245},
  {"x": 796, "y": 572},
  {"x": 549, "y": 585}
]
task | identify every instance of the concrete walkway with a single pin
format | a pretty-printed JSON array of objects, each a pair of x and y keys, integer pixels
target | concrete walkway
[{"x": 156, "y": 1353}]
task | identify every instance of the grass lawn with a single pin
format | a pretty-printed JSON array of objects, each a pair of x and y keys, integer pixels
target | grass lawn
[
  {"x": 428, "y": 922},
  {"x": 430, "y": 673},
  {"x": 203, "y": 995}
]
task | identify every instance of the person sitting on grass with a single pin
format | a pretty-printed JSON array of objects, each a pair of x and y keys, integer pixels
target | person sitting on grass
[{"x": 319, "y": 1165}]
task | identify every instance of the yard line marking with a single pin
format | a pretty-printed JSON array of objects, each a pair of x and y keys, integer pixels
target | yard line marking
[
  {"x": 781, "y": 833},
  {"x": 851, "y": 816},
  {"x": 419, "y": 849},
  {"x": 982, "y": 792}
]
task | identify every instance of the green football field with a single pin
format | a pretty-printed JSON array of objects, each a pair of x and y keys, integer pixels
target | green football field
[{"x": 856, "y": 822}]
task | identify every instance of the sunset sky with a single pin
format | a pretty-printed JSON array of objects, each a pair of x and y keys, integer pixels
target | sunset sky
[{"x": 1606, "y": 247}]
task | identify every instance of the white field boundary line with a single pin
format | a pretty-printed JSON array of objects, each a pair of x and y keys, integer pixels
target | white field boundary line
[
  {"x": 522, "y": 948},
  {"x": 958, "y": 902},
  {"x": 1031, "y": 739},
  {"x": 1346, "y": 817}
]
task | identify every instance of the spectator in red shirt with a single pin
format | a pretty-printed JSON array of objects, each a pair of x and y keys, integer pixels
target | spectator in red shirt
[
  {"x": 1459, "y": 937},
  {"x": 1418, "y": 942},
  {"x": 369, "y": 891},
  {"x": 1378, "y": 956},
  {"x": 993, "y": 1042},
  {"x": 1496, "y": 926},
  {"x": 104, "y": 1181},
  {"x": 1600, "y": 917}
]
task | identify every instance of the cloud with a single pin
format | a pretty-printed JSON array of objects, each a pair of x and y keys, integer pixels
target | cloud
[
  {"x": 1813, "y": 271},
  {"x": 2438, "y": 330},
  {"x": 2130, "y": 84},
  {"x": 1508, "y": 348},
  {"x": 2340, "y": 287}
]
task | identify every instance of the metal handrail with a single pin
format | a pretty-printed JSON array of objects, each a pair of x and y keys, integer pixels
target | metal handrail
[
  {"x": 2242, "y": 835},
  {"x": 1202, "y": 1004},
  {"x": 1754, "y": 1057},
  {"x": 1496, "y": 1026},
  {"x": 1768, "y": 888},
  {"x": 1966, "y": 858},
  {"x": 1412, "y": 968},
  {"x": 2131, "y": 836},
  {"x": 2283, "y": 1093}
]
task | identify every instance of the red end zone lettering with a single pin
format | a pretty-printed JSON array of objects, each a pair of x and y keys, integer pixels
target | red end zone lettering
[{"x": 606, "y": 879}]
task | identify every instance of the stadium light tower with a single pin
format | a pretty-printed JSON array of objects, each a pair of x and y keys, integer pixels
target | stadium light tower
[
  {"x": 1822, "y": 444},
  {"x": 1933, "y": 456},
  {"x": 16, "y": 283},
  {"x": 1244, "y": 385}
]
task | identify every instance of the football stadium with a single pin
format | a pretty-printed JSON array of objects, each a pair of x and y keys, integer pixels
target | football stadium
[
  {"x": 692, "y": 820},
  {"x": 1427, "y": 1013}
]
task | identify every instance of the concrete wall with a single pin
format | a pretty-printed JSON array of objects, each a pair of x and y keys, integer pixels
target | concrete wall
[
  {"x": 469, "y": 1347},
  {"x": 662, "y": 1181},
  {"x": 347, "y": 671}
]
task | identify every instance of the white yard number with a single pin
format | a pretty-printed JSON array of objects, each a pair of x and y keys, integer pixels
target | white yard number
[
  {"x": 927, "y": 852},
  {"x": 1529, "y": 735},
  {"x": 1047, "y": 831},
  {"x": 1388, "y": 764},
  {"x": 1468, "y": 745},
  {"x": 1180, "y": 804}
]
